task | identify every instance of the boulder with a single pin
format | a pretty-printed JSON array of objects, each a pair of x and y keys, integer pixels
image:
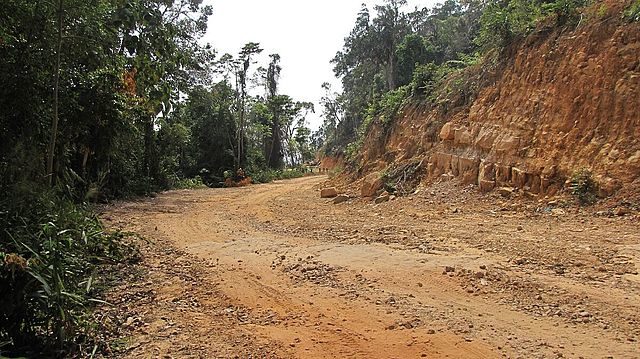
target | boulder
[
  {"x": 462, "y": 137},
  {"x": 329, "y": 192},
  {"x": 340, "y": 198},
  {"x": 447, "y": 132},
  {"x": 487, "y": 171},
  {"x": 468, "y": 169},
  {"x": 371, "y": 185},
  {"x": 519, "y": 177}
]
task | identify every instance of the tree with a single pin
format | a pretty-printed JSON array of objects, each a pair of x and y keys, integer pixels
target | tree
[
  {"x": 158, "y": 36},
  {"x": 242, "y": 72},
  {"x": 413, "y": 51},
  {"x": 389, "y": 27},
  {"x": 209, "y": 116},
  {"x": 273, "y": 151},
  {"x": 56, "y": 99}
]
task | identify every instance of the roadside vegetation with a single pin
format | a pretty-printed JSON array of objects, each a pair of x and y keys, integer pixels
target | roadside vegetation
[
  {"x": 109, "y": 99},
  {"x": 51, "y": 251},
  {"x": 396, "y": 56}
]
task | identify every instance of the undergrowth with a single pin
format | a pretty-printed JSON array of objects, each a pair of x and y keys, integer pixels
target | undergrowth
[
  {"x": 188, "y": 183},
  {"x": 583, "y": 186},
  {"x": 402, "y": 179},
  {"x": 633, "y": 12},
  {"x": 262, "y": 176},
  {"x": 50, "y": 249}
]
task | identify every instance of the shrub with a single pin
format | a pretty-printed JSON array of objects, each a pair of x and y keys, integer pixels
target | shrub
[
  {"x": 49, "y": 250},
  {"x": 633, "y": 12},
  {"x": 352, "y": 150},
  {"x": 566, "y": 11},
  {"x": 391, "y": 103},
  {"x": 187, "y": 183},
  {"x": 424, "y": 79},
  {"x": 503, "y": 21},
  {"x": 583, "y": 187}
]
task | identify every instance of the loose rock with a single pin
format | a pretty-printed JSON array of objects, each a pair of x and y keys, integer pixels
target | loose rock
[
  {"x": 328, "y": 192},
  {"x": 340, "y": 198}
]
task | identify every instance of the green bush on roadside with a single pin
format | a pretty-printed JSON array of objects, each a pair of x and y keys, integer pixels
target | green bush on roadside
[
  {"x": 49, "y": 251},
  {"x": 583, "y": 186}
]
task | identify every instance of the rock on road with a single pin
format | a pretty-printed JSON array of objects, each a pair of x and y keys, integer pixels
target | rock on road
[{"x": 275, "y": 271}]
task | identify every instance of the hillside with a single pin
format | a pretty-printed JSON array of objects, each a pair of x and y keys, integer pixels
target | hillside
[{"x": 563, "y": 100}]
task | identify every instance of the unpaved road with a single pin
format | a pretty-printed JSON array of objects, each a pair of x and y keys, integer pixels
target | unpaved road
[{"x": 274, "y": 271}]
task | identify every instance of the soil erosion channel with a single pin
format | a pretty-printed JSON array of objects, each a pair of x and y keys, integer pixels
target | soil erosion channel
[{"x": 274, "y": 271}]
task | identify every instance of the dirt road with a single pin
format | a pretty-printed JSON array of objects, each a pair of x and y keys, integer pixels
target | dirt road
[{"x": 275, "y": 271}]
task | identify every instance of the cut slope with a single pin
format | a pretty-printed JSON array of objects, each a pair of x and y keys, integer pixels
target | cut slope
[{"x": 565, "y": 101}]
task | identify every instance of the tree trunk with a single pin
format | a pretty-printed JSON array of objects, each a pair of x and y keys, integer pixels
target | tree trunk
[
  {"x": 391, "y": 72},
  {"x": 85, "y": 157},
  {"x": 150, "y": 163},
  {"x": 275, "y": 149},
  {"x": 56, "y": 90}
]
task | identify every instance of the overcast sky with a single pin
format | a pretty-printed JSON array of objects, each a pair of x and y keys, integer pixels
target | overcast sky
[{"x": 306, "y": 34}]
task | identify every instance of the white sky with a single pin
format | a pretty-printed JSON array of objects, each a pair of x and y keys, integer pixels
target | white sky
[{"x": 306, "y": 34}]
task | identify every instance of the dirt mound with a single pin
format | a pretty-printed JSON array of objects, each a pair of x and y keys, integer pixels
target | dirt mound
[{"x": 567, "y": 99}]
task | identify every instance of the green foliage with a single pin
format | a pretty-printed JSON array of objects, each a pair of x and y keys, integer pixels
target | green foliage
[
  {"x": 412, "y": 52},
  {"x": 583, "y": 186},
  {"x": 353, "y": 148},
  {"x": 633, "y": 12},
  {"x": 385, "y": 50},
  {"x": 503, "y": 21},
  {"x": 386, "y": 108},
  {"x": 602, "y": 11},
  {"x": 565, "y": 11},
  {"x": 49, "y": 251},
  {"x": 270, "y": 175},
  {"x": 425, "y": 78},
  {"x": 123, "y": 68},
  {"x": 187, "y": 183},
  {"x": 122, "y": 63}
]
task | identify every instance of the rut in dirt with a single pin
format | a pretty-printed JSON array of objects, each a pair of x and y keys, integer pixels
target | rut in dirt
[{"x": 275, "y": 271}]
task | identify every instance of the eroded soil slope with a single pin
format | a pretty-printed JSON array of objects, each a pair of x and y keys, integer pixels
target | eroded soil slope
[
  {"x": 275, "y": 271},
  {"x": 564, "y": 99}
]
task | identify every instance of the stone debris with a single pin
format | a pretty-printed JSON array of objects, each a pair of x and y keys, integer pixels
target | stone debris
[
  {"x": 329, "y": 192},
  {"x": 341, "y": 198}
]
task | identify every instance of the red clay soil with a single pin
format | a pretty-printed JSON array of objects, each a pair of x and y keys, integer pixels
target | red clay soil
[
  {"x": 567, "y": 99},
  {"x": 274, "y": 271}
]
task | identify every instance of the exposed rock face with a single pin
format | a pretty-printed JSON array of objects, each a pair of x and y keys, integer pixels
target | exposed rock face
[
  {"x": 329, "y": 163},
  {"x": 566, "y": 100}
]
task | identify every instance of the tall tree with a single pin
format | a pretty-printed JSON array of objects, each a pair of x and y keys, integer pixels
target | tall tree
[
  {"x": 56, "y": 92},
  {"x": 242, "y": 74},
  {"x": 273, "y": 139},
  {"x": 389, "y": 27}
]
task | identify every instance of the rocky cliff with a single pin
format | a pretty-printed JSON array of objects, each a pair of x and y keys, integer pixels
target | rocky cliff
[{"x": 565, "y": 99}]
